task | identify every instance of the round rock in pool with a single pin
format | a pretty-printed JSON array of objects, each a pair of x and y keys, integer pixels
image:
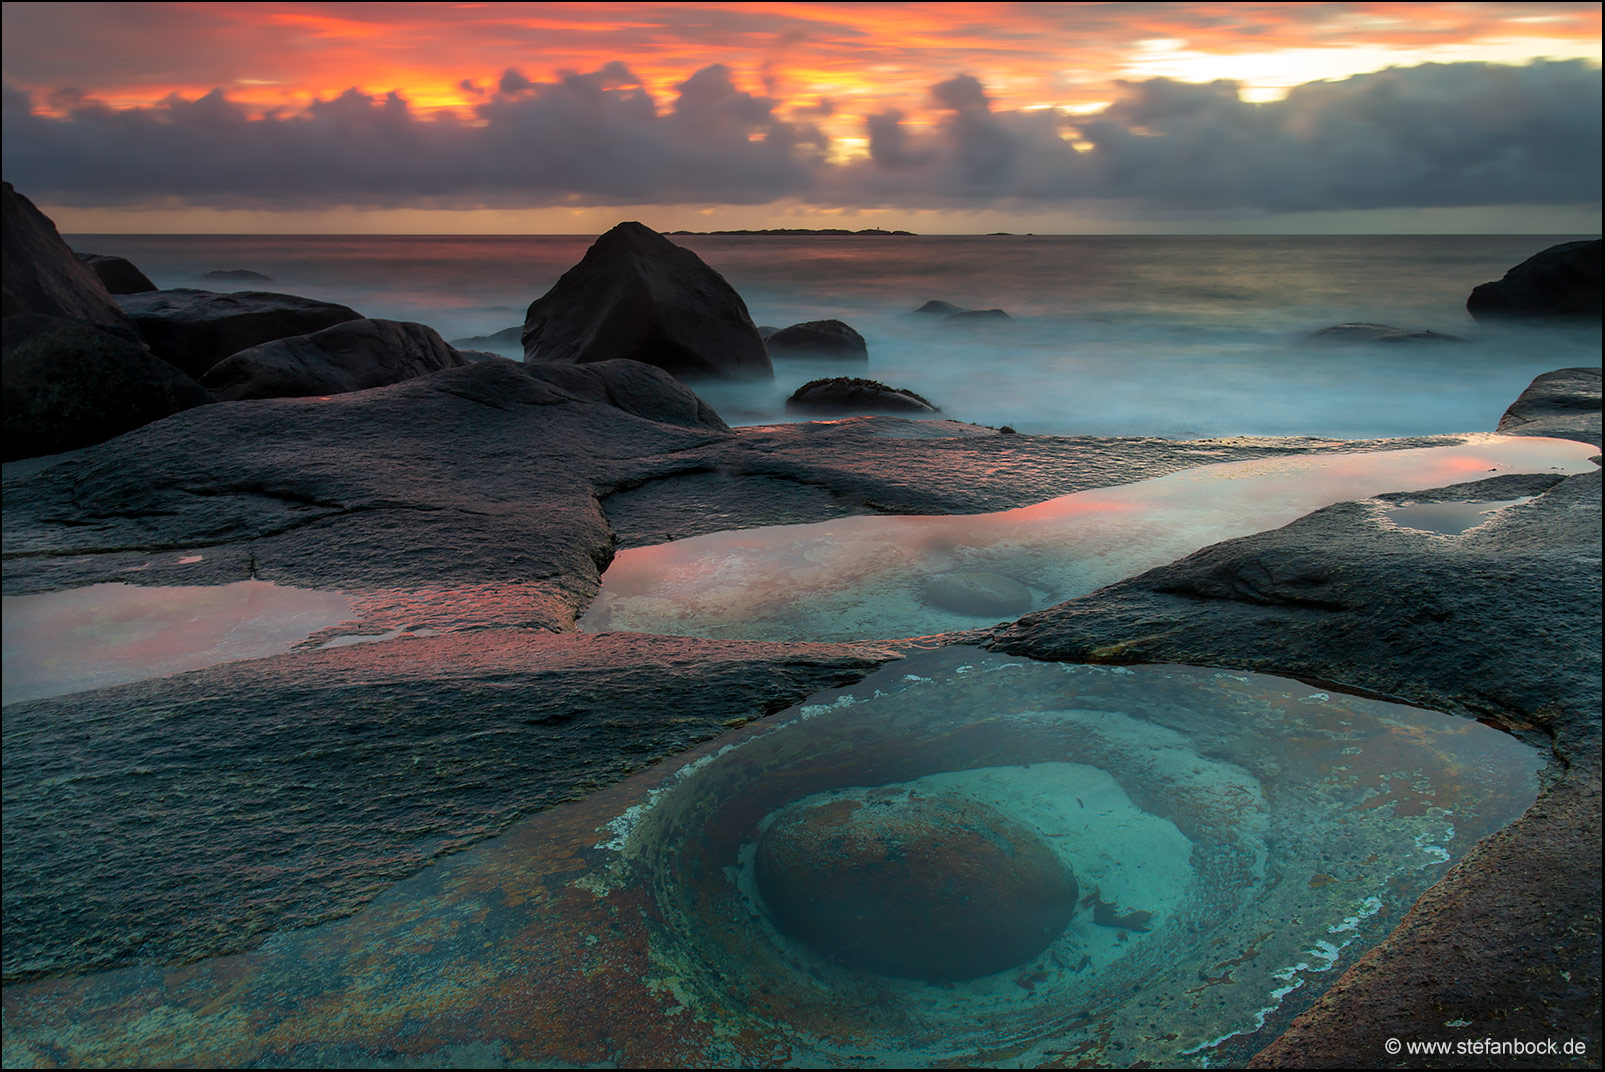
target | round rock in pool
[{"x": 940, "y": 888}]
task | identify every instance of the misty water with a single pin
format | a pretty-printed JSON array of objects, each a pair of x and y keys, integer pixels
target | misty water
[{"x": 1180, "y": 337}]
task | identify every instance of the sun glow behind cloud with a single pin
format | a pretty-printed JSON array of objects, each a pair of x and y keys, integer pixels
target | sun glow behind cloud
[{"x": 817, "y": 73}]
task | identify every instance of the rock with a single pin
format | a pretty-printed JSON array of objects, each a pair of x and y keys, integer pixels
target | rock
[
  {"x": 1564, "y": 404},
  {"x": 1562, "y": 281},
  {"x": 943, "y": 308},
  {"x": 636, "y": 388},
  {"x": 845, "y": 394},
  {"x": 41, "y": 275},
  {"x": 352, "y": 356},
  {"x": 1499, "y": 624},
  {"x": 830, "y": 339},
  {"x": 195, "y": 329},
  {"x": 978, "y": 594},
  {"x": 68, "y": 385},
  {"x": 505, "y": 337},
  {"x": 935, "y": 888},
  {"x": 636, "y": 295},
  {"x": 118, "y": 274},
  {"x": 240, "y": 275},
  {"x": 975, "y": 316},
  {"x": 1375, "y": 333},
  {"x": 766, "y": 330}
]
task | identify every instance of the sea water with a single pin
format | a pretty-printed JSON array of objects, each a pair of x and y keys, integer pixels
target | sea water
[{"x": 1179, "y": 337}]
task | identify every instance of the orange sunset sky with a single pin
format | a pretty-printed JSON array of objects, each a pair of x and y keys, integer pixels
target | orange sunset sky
[{"x": 555, "y": 118}]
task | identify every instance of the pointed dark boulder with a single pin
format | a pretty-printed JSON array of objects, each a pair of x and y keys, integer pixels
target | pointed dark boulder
[
  {"x": 42, "y": 276},
  {"x": 637, "y": 295}
]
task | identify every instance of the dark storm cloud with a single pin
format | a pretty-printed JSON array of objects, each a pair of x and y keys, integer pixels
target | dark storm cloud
[
  {"x": 594, "y": 137},
  {"x": 1460, "y": 134},
  {"x": 1435, "y": 135}
]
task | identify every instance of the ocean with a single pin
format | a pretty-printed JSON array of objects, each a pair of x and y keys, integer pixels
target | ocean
[{"x": 1173, "y": 336}]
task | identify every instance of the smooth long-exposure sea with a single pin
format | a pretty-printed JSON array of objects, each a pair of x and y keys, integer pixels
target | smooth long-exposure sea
[{"x": 1172, "y": 336}]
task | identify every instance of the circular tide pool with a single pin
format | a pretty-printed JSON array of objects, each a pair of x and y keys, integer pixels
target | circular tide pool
[{"x": 1238, "y": 841}]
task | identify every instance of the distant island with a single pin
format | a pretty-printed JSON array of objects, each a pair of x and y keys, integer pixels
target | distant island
[{"x": 797, "y": 231}]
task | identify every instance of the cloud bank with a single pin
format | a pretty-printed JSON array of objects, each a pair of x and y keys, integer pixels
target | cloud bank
[{"x": 1434, "y": 135}]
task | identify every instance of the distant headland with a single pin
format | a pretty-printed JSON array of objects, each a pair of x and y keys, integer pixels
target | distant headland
[{"x": 872, "y": 231}]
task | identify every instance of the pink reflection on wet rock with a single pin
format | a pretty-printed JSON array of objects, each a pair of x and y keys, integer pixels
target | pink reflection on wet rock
[{"x": 868, "y": 577}]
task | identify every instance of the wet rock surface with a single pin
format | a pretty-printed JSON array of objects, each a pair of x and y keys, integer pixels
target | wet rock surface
[
  {"x": 522, "y": 480},
  {"x": 1564, "y": 404},
  {"x": 636, "y": 295},
  {"x": 281, "y": 792},
  {"x": 351, "y": 356},
  {"x": 936, "y": 888},
  {"x": 195, "y": 329},
  {"x": 1500, "y": 623}
]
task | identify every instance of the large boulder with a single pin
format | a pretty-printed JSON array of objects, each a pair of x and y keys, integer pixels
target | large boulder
[
  {"x": 848, "y": 394},
  {"x": 352, "y": 356},
  {"x": 117, "y": 274},
  {"x": 1562, "y": 281},
  {"x": 937, "y": 888},
  {"x": 68, "y": 385},
  {"x": 41, "y": 275},
  {"x": 829, "y": 339},
  {"x": 195, "y": 329},
  {"x": 637, "y": 295}
]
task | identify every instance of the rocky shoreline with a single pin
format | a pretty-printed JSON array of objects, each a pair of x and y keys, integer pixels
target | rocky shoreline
[{"x": 162, "y": 836}]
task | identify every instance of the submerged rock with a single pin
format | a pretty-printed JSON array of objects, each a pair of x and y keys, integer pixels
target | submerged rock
[
  {"x": 847, "y": 394},
  {"x": 1561, "y": 281},
  {"x": 68, "y": 385},
  {"x": 638, "y": 296},
  {"x": 352, "y": 356},
  {"x": 41, "y": 275},
  {"x": 118, "y": 274},
  {"x": 195, "y": 329},
  {"x": 505, "y": 337},
  {"x": 830, "y": 339},
  {"x": 976, "y": 316},
  {"x": 240, "y": 275},
  {"x": 1370, "y": 333},
  {"x": 979, "y": 594},
  {"x": 936, "y": 888}
]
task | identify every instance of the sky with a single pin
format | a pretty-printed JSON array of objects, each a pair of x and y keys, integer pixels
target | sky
[{"x": 941, "y": 118}]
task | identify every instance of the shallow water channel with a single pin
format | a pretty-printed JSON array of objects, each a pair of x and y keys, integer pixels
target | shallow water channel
[{"x": 905, "y": 576}]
